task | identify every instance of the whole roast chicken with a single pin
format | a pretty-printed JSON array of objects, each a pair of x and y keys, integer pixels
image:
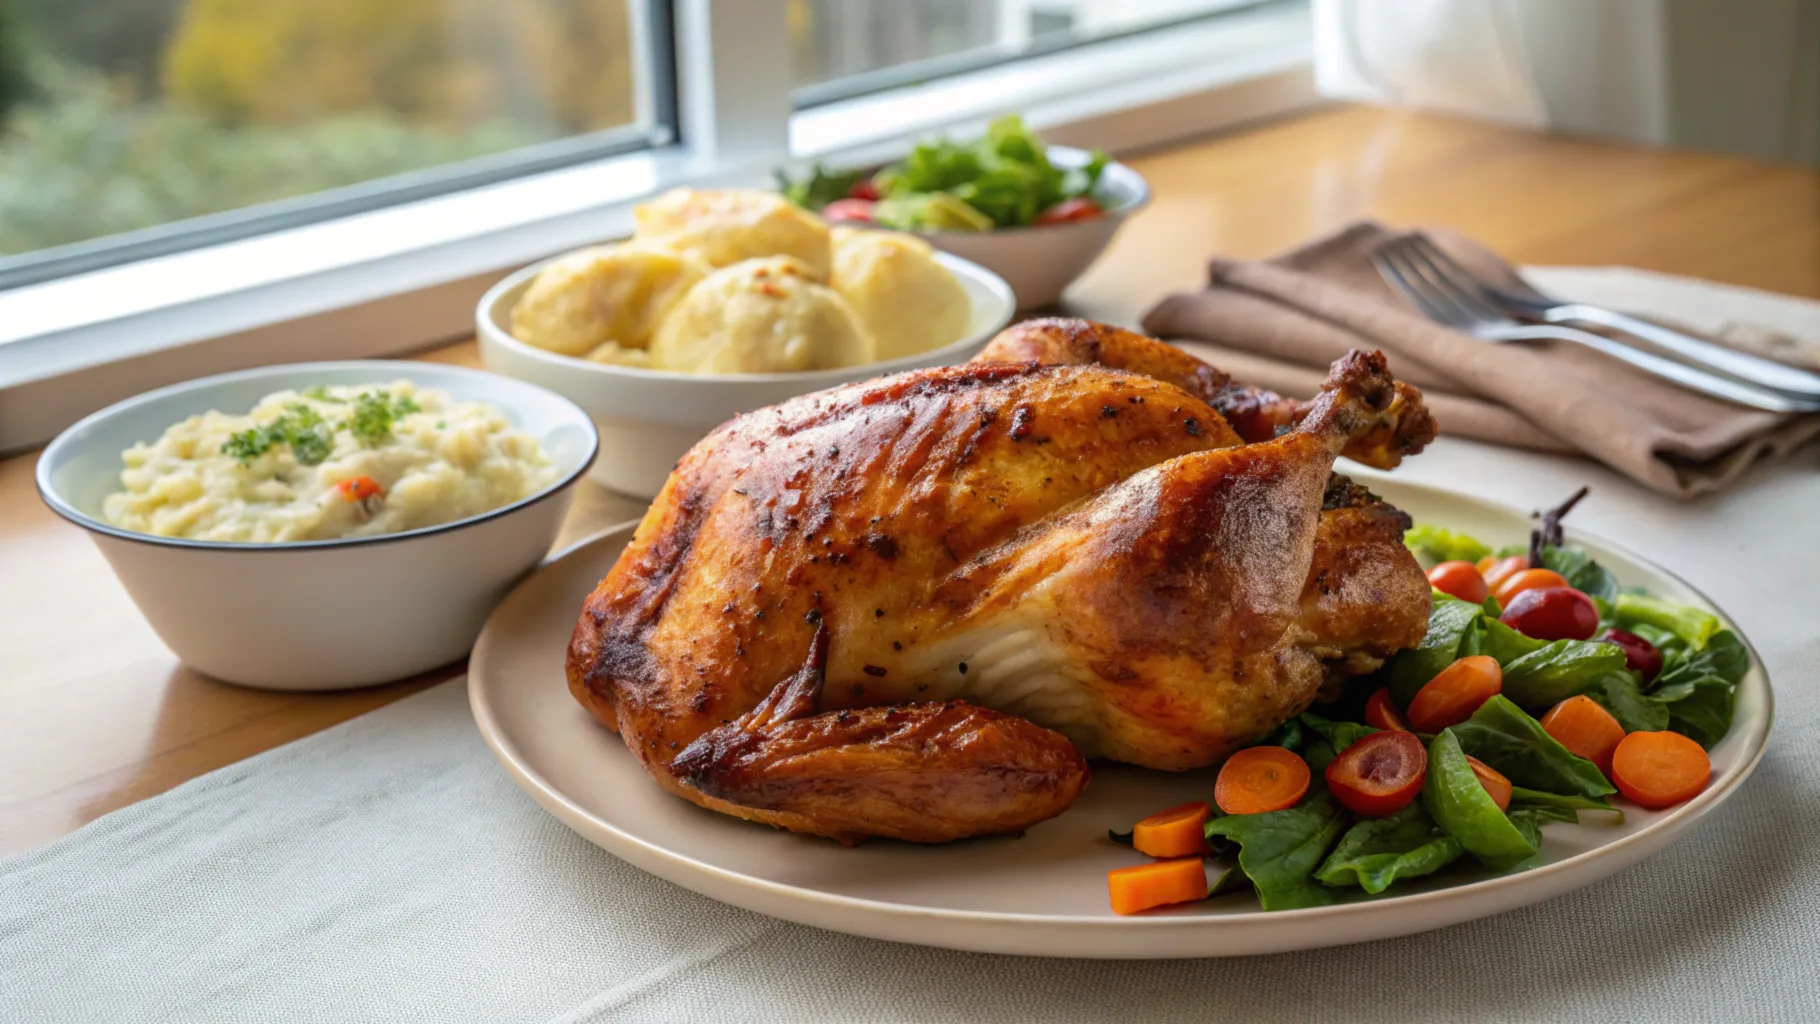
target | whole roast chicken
[{"x": 916, "y": 606}]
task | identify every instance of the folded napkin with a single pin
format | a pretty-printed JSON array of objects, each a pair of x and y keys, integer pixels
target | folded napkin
[{"x": 1280, "y": 322}]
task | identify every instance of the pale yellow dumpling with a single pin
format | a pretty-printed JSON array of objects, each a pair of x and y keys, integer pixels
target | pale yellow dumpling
[
  {"x": 606, "y": 296},
  {"x": 721, "y": 227},
  {"x": 909, "y": 302},
  {"x": 761, "y": 316}
]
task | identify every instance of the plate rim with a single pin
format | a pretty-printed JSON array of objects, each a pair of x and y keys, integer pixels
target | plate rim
[{"x": 640, "y": 851}]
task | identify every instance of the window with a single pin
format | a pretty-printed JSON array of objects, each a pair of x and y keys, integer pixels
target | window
[
  {"x": 130, "y": 128},
  {"x": 845, "y": 48}
]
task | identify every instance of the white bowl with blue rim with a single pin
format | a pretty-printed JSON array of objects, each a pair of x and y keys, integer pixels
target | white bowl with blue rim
[{"x": 328, "y": 614}]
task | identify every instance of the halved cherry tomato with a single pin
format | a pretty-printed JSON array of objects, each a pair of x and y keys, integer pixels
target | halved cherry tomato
[
  {"x": 1503, "y": 569},
  {"x": 1527, "y": 579},
  {"x": 359, "y": 488},
  {"x": 1460, "y": 579},
  {"x": 848, "y": 210},
  {"x": 1455, "y": 693},
  {"x": 1380, "y": 774},
  {"x": 1381, "y": 711},
  {"x": 1261, "y": 779},
  {"x": 1078, "y": 208},
  {"x": 1585, "y": 728},
  {"x": 1495, "y": 784},
  {"x": 1660, "y": 769},
  {"x": 864, "y": 188},
  {"x": 1175, "y": 832},
  {"x": 1552, "y": 613},
  {"x": 1639, "y": 653}
]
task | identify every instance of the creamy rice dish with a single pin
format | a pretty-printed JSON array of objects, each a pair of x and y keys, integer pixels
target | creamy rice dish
[{"x": 327, "y": 463}]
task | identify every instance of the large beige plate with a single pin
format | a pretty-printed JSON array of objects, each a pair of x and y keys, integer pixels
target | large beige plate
[{"x": 1044, "y": 894}]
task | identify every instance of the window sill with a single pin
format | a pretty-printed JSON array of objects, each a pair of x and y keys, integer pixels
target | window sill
[{"x": 404, "y": 278}]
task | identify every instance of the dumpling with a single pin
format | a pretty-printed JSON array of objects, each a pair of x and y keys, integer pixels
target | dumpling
[
  {"x": 761, "y": 316},
  {"x": 721, "y": 227},
  {"x": 610, "y": 295},
  {"x": 909, "y": 302}
]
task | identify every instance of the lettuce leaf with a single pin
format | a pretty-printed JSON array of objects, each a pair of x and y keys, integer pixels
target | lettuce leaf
[
  {"x": 1692, "y": 625},
  {"x": 1433, "y": 545}
]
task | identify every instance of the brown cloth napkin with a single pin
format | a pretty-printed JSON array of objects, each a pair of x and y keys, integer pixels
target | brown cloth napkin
[{"x": 1280, "y": 322}]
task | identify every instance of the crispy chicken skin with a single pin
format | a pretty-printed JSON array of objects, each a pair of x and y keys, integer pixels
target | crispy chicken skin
[
  {"x": 913, "y": 607},
  {"x": 1254, "y": 413}
]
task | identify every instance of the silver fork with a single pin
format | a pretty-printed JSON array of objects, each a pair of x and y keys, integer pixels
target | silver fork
[
  {"x": 1532, "y": 303},
  {"x": 1445, "y": 300}
]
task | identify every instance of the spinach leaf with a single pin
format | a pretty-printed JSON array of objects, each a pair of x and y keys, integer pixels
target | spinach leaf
[
  {"x": 1558, "y": 670},
  {"x": 1502, "y": 643},
  {"x": 1460, "y": 805},
  {"x": 1121, "y": 838},
  {"x": 1536, "y": 800},
  {"x": 1230, "y": 879},
  {"x": 1507, "y": 738},
  {"x": 1376, "y": 852},
  {"x": 1723, "y": 656},
  {"x": 1289, "y": 735},
  {"x": 1280, "y": 850},
  {"x": 1619, "y": 694},
  {"x": 1339, "y": 735},
  {"x": 1448, "y": 624},
  {"x": 1704, "y": 714},
  {"x": 1698, "y": 691},
  {"x": 1581, "y": 572},
  {"x": 1693, "y": 626},
  {"x": 1528, "y": 821}
]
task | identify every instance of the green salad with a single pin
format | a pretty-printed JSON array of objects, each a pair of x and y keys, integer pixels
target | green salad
[
  {"x": 1001, "y": 180},
  {"x": 1509, "y": 715}
]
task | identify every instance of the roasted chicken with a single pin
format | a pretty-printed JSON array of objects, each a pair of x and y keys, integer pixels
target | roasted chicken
[{"x": 916, "y": 606}]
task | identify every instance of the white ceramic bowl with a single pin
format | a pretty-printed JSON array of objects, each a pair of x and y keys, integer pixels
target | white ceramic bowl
[
  {"x": 319, "y": 615},
  {"x": 1038, "y": 262},
  {"x": 649, "y": 418}
]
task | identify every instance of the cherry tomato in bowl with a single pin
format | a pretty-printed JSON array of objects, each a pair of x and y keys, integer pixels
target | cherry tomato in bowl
[
  {"x": 1069, "y": 210},
  {"x": 1380, "y": 774},
  {"x": 864, "y": 188},
  {"x": 1461, "y": 580},
  {"x": 1639, "y": 653},
  {"x": 1552, "y": 613},
  {"x": 850, "y": 209},
  {"x": 1526, "y": 579}
]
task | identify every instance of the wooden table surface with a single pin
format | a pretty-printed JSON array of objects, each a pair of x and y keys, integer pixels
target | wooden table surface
[{"x": 95, "y": 713}]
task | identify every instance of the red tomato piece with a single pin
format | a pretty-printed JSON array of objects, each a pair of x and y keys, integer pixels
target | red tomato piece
[
  {"x": 1381, "y": 711},
  {"x": 359, "y": 488},
  {"x": 848, "y": 210},
  {"x": 864, "y": 188},
  {"x": 1078, "y": 208},
  {"x": 1461, "y": 579},
  {"x": 1552, "y": 613},
  {"x": 1639, "y": 653},
  {"x": 1380, "y": 774}
]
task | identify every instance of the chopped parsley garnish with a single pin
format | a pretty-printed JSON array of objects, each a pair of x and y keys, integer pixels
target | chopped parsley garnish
[
  {"x": 374, "y": 413},
  {"x": 310, "y": 437}
]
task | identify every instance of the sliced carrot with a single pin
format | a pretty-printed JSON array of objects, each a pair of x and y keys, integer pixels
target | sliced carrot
[
  {"x": 1381, "y": 712},
  {"x": 1175, "y": 832},
  {"x": 1503, "y": 569},
  {"x": 1584, "y": 727},
  {"x": 1455, "y": 693},
  {"x": 1257, "y": 780},
  {"x": 1157, "y": 884},
  {"x": 1660, "y": 769},
  {"x": 1496, "y": 785},
  {"x": 1528, "y": 579}
]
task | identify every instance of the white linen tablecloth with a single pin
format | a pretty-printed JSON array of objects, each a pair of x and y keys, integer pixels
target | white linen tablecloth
[{"x": 388, "y": 870}]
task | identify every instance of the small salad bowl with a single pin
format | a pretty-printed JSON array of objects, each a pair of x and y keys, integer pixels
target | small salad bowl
[
  {"x": 330, "y": 614},
  {"x": 1039, "y": 262}
]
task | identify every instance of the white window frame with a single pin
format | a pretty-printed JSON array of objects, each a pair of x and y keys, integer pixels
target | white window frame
[{"x": 407, "y": 277}]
